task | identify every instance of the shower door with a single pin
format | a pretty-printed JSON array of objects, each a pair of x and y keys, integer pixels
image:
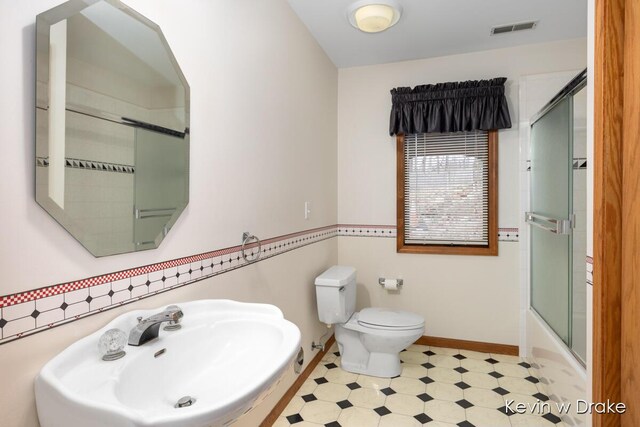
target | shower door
[
  {"x": 556, "y": 132},
  {"x": 550, "y": 233},
  {"x": 160, "y": 184}
]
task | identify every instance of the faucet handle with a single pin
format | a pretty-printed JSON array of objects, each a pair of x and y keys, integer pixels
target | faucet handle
[
  {"x": 176, "y": 314},
  {"x": 111, "y": 344}
]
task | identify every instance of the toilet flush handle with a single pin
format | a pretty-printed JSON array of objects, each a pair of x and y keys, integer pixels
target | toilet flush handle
[{"x": 341, "y": 289}]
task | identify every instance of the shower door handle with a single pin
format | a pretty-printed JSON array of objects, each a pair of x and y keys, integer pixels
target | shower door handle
[
  {"x": 553, "y": 225},
  {"x": 152, "y": 213}
]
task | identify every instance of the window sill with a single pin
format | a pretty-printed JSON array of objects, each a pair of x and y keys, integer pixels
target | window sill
[{"x": 491, "y": 250}]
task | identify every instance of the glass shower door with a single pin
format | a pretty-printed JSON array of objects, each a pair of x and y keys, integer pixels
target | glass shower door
[
  {"x": 160, "y": 184},
  {"x": 551, "y": 208}
]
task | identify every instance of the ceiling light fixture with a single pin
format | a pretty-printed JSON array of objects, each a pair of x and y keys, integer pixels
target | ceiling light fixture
[{"x": 373, "y": 16}]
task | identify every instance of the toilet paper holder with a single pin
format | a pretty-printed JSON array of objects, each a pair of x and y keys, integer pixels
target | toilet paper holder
[{"x": 381, "y": 281}]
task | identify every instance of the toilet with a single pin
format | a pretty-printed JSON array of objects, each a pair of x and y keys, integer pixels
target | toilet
[{"x": 370, "y": 341}]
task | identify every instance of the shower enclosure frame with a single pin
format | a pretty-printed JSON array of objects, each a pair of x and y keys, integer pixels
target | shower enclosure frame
[
  {"x": 558, "y": 226},
  {"x": 567, "y": 378}
]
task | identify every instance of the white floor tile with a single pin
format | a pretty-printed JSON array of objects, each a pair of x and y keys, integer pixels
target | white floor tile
[
  {"x": 319, "y": 371},
  {"x": 506, "y": 358},
  {"x": 407, "y": 385},
  {"x": 373, "y": 382},
  {"x": 331, "y": 392},
  {"x": 367, "y": 398},
  {"x": 404, "y": 404},
  {"x": 475, "y": 365},
  {"x": 307, "y": 387},
  {"x": 414, "y": 357},
  {"x": 473, "y": 354},
  {"x": 445, "y": 375},
  {"x": 442, "y": 410},
  {"x": 294, "y": 406},
  {"x": 395, "y": 420},
  {"x": 444, "y": 391},
  {"x": 320, "y": 412},
  {"x": 410, "y": 370},
  {"x": 487, "y": 417},
  {"x": 436, "y": 393},
  {"x": 340, "y": 377},
  {"x": 444, "y": 361},
  {"x": 358, "y": 417},
  {"x": 477, "y": 379},
  {"x": 524, "y": 420},
  {"x": 418, "y": 348},
  {"x": 445, "y": 351},
  {"x": 484, "y": 398},
  {"x": 518, "y": 385},
  {"x": 512, "y": 370}
]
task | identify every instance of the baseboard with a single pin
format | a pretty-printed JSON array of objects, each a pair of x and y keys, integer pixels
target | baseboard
[
  {"x": 485, "y": 347},
  {"x": 271, "y": 418}
]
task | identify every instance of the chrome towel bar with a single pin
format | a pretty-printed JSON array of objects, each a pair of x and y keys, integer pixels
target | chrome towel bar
[
  {"x": 153, "y": 213},
  {"x": 553, "y": 225}
]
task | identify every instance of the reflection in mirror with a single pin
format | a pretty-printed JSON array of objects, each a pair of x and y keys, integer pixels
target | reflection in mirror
[{"x": 112, "y": 126}]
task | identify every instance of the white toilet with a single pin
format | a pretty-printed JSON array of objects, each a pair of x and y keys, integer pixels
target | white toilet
[{"x": 370, "y": 341}]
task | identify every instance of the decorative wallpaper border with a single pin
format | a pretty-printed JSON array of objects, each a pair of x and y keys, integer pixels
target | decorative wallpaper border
[
  {"x": 41, "y": 309},
  {"x": 43, "y": 162},
  {"x": 509, "y": 234},
  {"x": 37, "y": 310},
  {"x": 504, "y": 234},
  {"x": 578, "y": 163},
  {"x": 356, "y": 230}
]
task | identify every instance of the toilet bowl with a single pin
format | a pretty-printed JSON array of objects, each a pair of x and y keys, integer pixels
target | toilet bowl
[
  {"x": 374, "y": 349},
  {"x": 370, "y": 341}
]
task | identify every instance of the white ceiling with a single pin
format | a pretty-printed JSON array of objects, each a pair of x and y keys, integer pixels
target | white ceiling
[{"x": 431, "y": 28}]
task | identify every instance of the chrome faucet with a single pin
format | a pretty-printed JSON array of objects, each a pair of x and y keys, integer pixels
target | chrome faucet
[{"x": 148, "y": 329}]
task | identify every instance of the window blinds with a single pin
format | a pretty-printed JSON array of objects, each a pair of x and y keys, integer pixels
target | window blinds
[{"x": 446, "y": 188}]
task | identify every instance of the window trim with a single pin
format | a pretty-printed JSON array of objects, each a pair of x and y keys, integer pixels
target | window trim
[{"x": 491, "y": 249}]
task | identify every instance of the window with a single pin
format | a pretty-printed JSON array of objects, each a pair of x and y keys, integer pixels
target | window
[{"x": 447, "y": 193}]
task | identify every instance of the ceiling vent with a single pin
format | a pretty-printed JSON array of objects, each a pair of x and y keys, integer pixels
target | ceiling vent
[{"x": 510, "y": 28}]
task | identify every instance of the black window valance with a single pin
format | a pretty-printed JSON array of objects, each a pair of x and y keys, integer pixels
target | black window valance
[{"x": 450, "y": 107}]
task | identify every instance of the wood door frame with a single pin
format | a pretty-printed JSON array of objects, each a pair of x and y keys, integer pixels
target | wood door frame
[
  {"x": 616, "y": 223},
  {"x": 630, "y": 295}
]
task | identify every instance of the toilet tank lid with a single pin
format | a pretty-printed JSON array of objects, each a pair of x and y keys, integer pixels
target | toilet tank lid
[
  {"x": 338, "y": 275},
  {"x": 390, "y": 318}
]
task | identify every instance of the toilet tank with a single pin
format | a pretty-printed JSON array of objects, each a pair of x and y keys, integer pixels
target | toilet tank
[{"x": 336, "y": 294}]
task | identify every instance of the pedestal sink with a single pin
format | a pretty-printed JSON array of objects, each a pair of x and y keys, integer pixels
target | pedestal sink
[{"x": 224, "y": 360}]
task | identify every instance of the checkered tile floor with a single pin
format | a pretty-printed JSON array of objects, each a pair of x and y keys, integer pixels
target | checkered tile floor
[{"x": 438, "y": 387}]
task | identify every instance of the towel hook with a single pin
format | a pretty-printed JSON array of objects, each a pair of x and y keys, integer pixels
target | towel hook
[{"x": 246, "y": 238}]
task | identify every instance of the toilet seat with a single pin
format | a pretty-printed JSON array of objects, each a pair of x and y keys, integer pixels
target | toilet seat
[{"x": 389, "y": 319}]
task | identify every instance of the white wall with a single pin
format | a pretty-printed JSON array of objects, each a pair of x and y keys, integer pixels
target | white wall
[
  {"x": 463, "y": 297},
  {"x": 252, "y": 130},
  {"x": 263, "y": 141}
]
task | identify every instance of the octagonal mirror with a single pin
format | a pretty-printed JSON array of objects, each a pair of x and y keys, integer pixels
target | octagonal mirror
[{"x": 112, "y": 126}]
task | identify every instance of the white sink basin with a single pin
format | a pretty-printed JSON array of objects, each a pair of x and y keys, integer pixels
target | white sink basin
[{"x": 228, "y": 356}]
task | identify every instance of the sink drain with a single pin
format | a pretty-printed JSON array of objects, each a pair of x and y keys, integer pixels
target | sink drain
[{"x": 185, "y": 401}]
